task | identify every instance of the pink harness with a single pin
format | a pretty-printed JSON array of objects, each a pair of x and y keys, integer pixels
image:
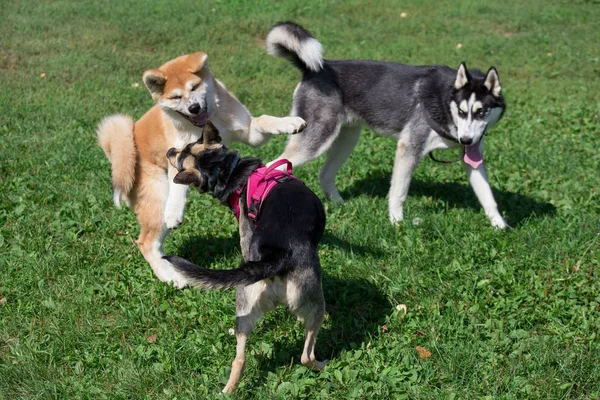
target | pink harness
[{"x": 259, "y": 184}]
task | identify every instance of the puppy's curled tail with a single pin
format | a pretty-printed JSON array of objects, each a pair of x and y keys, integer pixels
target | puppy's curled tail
[
  {"x": 115, "y": 136},
  {"x": 290, "y": 40},
  {"x": 246, "y": 274}
]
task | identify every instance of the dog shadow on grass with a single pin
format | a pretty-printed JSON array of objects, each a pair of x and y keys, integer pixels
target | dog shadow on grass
[
  {"x": 356, "y": 309},
  {"x": 205, "y": 250},
  {"x": 515, "y": 206}
]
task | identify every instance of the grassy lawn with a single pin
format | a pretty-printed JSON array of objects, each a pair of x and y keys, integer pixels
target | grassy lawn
[{"x": 505, "y": 315}]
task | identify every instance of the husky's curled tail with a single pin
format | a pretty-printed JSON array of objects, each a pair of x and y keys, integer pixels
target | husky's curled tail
[
  {"x": 246, "y": 274},
  {"x": 115, "y": 136},
  {"x": 289, "y": 40}
]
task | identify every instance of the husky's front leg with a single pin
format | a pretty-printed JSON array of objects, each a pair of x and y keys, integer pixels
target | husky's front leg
[
  {"x": 262, "y": 128},
  {"x": 404, "y": 166},
  {"x": 175, "y": 205},
  {"x": 481, "y": 186}
]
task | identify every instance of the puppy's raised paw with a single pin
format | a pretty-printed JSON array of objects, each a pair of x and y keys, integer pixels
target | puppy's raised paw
[{"x": 292, "y": 125}]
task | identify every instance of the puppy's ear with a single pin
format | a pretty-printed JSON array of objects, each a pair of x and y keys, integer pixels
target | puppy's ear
[
  {"x": 187, "y": 177},
  {"x": 492, "y": 82},
  {"x": 172, "y": 156},
  {"x": 462, "y": 76},
  {"x": 197, "y": 61},
  {"x": 155, "y": 82},
  {"x": 210, "y": 134}
]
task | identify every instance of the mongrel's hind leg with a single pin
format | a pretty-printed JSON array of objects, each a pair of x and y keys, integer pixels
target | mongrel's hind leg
[
  {"x": 308, "y": 294},
  {"x": 337, "y": 154},
  {"x": 404, "y": 166},
  {"x": 248, "y": 311}
]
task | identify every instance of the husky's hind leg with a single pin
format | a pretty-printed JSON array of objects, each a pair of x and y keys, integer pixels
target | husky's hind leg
[{"x": 337, "y": 154}]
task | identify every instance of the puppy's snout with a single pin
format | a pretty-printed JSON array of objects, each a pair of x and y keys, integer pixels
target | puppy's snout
[
  {"x": 172, "y": 152},
  {"x": 466, "y": 141},
  {"x": 194, "y": 108}
]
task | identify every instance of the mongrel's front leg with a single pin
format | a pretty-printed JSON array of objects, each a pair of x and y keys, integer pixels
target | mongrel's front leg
[
  {"x": 262, "y": 128},
  {"x": 175, "y": 205},
  {"x": 481, "y": 186},
  {"x": 404, "y": 166},
  {"x": 245, "y": 231}
]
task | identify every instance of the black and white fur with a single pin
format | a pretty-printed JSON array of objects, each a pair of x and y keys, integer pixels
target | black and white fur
[
  {"x": 281, "y": 264},
  {"x": 424, "y": 108}
]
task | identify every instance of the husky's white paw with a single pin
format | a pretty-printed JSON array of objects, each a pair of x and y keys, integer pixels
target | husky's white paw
[
  {"x": 336, "y": 197},
  {"x": 396, "y": 216},
  {"x": 499, "y": 223},
  {"x": 290, "y": 126},
  {"x": 173, "y": 219}
]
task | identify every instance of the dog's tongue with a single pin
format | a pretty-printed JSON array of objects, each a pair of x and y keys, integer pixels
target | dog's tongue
[
  {"x": 200, "y": 119},
  {"x": 473, "y": 156}
]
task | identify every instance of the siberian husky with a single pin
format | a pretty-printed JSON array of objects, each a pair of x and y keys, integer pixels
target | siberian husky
[
  {"x": 186, "y": 95},
  {"x": 424, "y": 108}
]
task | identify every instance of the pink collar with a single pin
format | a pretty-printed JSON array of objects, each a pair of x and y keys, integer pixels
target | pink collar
[{"x": 258, "y": 186}]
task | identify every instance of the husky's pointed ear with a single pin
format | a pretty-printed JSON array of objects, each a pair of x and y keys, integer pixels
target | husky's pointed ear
[
  {"x": 197, "y": 61},
  {"x": 462, "y": 76},
  {"x": 210, "y": 134},
  {"x": 155, "y": 82},
  {"x": 492, "y": 82},
  {"x": 187, "y": 177}
]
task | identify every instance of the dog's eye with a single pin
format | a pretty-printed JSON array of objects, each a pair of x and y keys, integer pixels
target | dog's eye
[
  {"x": 195, "y": 86},
  {"x": 175, "y": 98},
  {"x": 481, "y": 113},
  {"x": 461, "y": 113}
]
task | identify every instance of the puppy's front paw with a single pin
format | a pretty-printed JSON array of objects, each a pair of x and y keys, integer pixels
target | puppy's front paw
[
  {"x": 173, "y": 220},
  {"x": 291, "y": 125},
  {"x": 178, "y": 281}
]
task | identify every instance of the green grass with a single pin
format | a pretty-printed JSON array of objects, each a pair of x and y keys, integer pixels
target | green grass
[{"x": 505, "y": 315}]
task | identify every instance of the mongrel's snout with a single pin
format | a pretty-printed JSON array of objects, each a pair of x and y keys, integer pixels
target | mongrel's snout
[
  {"x": 194, "y": 108},
  {"x": 466, "y": 141}
]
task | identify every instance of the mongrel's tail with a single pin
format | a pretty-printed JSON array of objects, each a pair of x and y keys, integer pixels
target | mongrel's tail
[
  {"x": 248, "y": 273},
  {"x": 115, "y": 136},
  {"x": 289, "y": 40}
]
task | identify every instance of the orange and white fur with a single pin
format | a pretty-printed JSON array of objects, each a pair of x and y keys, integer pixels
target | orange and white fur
[{"x": 186, "y": 95}]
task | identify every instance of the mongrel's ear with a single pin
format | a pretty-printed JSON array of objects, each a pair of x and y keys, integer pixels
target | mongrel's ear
[
  {"x": 155, "y": 82},
  {"x": 187, "y": 177},
  {"x": 197, "y": 61},
  {"x": 172, "y": 156},
  {"x": 210, "y": 134},
  {"x": 492, "y": 82},
  {"x": 462, "y": 76}
]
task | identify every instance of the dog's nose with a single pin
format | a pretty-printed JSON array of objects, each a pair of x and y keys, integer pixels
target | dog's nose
[
  {"x": 194, "y": 108},
  {"x": 466, "y": 141}
]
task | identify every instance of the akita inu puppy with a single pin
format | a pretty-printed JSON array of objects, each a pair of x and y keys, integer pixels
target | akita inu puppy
[
  {"x": 186, "y": 94},
  {"x": 279, "y": 240}
]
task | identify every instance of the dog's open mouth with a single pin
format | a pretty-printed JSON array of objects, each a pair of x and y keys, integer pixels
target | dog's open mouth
[
  {"x": 473, "y": 156},
  {"x": 198, "y": 120}
]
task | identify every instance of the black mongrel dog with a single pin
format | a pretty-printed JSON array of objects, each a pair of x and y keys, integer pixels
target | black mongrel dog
[{"x": 281, "y": 264}]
